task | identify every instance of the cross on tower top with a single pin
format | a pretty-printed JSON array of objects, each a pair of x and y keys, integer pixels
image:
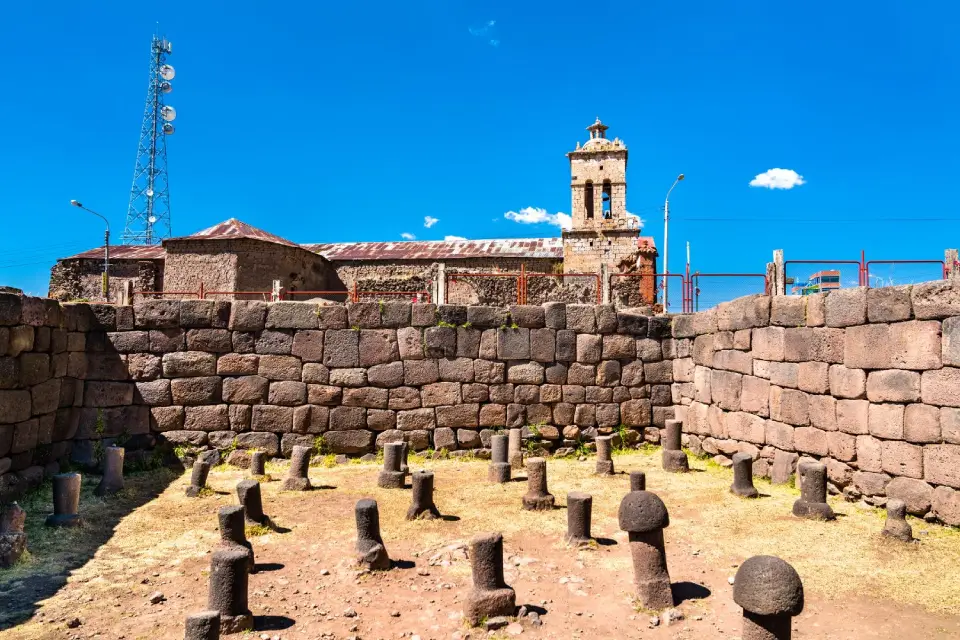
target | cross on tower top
[{"x": 598, "y": 129}]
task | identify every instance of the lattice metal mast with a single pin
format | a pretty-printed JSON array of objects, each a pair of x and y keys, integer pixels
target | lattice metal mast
[{"x": 148, "y": 214}]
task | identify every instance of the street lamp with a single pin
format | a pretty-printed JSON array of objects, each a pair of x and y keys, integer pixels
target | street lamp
[
  {"x": 106, "y": 249},
  {"x": 666, "y": 247}
]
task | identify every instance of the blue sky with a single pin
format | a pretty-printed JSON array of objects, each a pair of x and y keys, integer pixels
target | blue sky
[{"x": 355, "y": 121}]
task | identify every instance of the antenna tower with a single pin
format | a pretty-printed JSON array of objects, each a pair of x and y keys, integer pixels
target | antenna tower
[{"x": 148, "y": 214}]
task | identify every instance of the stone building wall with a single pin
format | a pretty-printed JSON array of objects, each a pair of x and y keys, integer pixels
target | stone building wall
[
  {"x": 865, "y": 380},
  {"x": 81, "y": 279}
]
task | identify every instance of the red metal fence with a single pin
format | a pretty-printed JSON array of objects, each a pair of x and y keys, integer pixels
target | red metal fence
[{"x": 861, "y": 273}]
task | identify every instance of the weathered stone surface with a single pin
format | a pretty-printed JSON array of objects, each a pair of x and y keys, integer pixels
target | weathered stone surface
[
  {"x": 822, "y": 411},
  {"x": 269, "y": 443},
  {"x": 768, "y": 343},
  {"x": 789, "y": 405},
  {"x": 932, "y": 300},
  {"x": 271, "y": 418},
  {"x": 385, "y": 375},
  {"x": 370, "y": 397},
  {"x": 410, "y": 343},
  {"x": 893, "y": 385},
  {"x": 308, "y": 346},
  {"x": 527, "y": 373},
  {"x": 941, "y": 464},
  {"x": 247, "y": 315},
  {"x": 581, "y": 318},
  {"x": 349, "y": 442},
  {"x": 291, "y": 393},
  {"x": 154, "y": 393},
  {"x": 870, "y": 483},
  {"x": 921, "y": 423},
  {"x": 292, "y": 315},
  {"x": 237, "y": 364},
  {"x": 462, "y": 415},
  {"x": 441, "y": 342},
  {"x": 725, "y": 388},
  {"x": 363, "y": 315},
  {"x": 279, "y": 367},
  {"x": 779, "y": 434},
  {"x": 940, "y": 387},
  {"x": 341, "y": 348},
  {"x": 332, "y": 317},
  {"x": 788, "y": 311},
  {"x": 916, "y": 494},
  {"x": 528, "y": 316},
  {"x": 635, "y": 413},
  {"x": 847, "y": 383},
  {"x": 846, "y": 307},
  {"x": 189, "y": 363},
  {"x": 195, "y": 391},
  {"x": 888, "y": 304},
  {"x": 486, "y": 317},
  {"x": 416, "y": 419},
  {"x": 347, "y": 418},
  {"x": 810, "y": 440},
  {"x": 745, "y": 426},
  {"x": 355, "y": 377},
  {"x": 493, "y": 415},
  {"x": 852, "y": 416},
  {"x": 381, "y": 419},
  {"x": 902, "y": 459},
  {"x": 166, "y": 418},
  {"x": 321, "y": 394},
  {"x": 440, "y": 393},
  {"x": 755, "y": 396},
  {"x": 906, "y": 345},
  {"x": 743, "y": 313},
  {"x": 456, "y": 369},
  {"x": 513, "y": 344},
  {"x": 946, "y": 505},
  {"x": 813, "y": 377},
  {"x": 423, "y": 314},
  {"x": 404, "y": 398},
  {"x": 157, "y": 314},
  {"x": 207, "y": 418},
  {"x": 378, "y": 346},
  {"x": 950, "y": 425},
  {"x": 468, "y": 342},
  {"x": 245, "y": 390},
  {"x": 631, "y": 322}
]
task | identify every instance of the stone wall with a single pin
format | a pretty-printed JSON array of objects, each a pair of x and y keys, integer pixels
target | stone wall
[
  {"x": 865, "y": 380},
  {"x": 81, "y": 279}
]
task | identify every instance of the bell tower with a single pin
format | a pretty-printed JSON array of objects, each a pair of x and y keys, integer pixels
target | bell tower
[{"x": 602, "y": 232}]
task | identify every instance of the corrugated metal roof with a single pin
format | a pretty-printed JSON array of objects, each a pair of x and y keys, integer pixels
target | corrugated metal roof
[
  {"x": 441, "y": 249},
  {"x": 234, "y": 229},
  {"x": 124, "y": 252}
]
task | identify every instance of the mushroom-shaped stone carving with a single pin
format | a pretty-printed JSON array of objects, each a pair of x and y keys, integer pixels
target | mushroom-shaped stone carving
[
  {"x": 644, "y": 516},
  {"x": 896, "y": 525},
  {"x": 770, "y": 592}
]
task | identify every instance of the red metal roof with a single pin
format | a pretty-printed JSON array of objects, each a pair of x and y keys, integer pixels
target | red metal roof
[
  {"x": 441, "y": 249},
  {"x": 234, "y": 229},
  {"x": 124, "y": 252}
]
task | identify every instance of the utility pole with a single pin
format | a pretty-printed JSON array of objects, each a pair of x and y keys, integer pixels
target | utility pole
[
  {"x": 106, "y": 250},
  {"x": 666, "y": 246}
]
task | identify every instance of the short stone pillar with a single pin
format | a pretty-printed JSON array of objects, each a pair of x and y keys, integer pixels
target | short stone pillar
[
  {"x": 770, "y": 592},
  {"x": 405, "y": 457},
  {"x": 202, "y": 626},
  {"x": 13, "y": 541},
  {"x": 896, "y": 525},
  {"x": 371, "y": 552},
  {"x": 66, "y": 501},
  {"x": 579, "y": 513},
  {"x": 537, "y": 497},
  {"x": 248, "y": 492},
  {"x": 674, "y": 459},
  {"x": 228, "y": 590},
  {"x": 198, "y": 478},
  {"x": 392, "y": 477},
  {"x": 297, "y": 477},
  {"x": 812, "y": 503},
  {"x": 499, "y": 469},
  {"x": 258, "y": 464},
  {"x": 232, "y": 532},
  {"x": 422, "y": 506},
  {"x": 644, "y": 517},
  {"x": 604, "y": 455},
  {"x": 743, "y": 476},
  {"x": 490, "y": 596},
  {"x": 515, "y": 448},
  {"x": 638, "y": 481},
  {"x": 112, "y": 480}
]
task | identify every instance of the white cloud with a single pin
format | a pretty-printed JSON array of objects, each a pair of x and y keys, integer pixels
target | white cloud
[
  {"x": 429, "y": 221},
  {"x": 639, "y": 221},
  {"x": 408, "y": 236},
  {"x": 536, "y": 215},
  {"x": 778, "y": 179},
  {"x": 454, "y": 238},
  {"x": 485, "y": 31}
]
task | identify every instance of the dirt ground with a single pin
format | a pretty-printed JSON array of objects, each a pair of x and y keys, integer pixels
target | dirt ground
[{"x": 857, "y": 584}]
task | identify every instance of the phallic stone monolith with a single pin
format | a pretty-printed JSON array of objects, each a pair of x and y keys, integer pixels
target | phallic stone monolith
[
  {"x": 198, "y": 478},
  {"x": 371, "y": 552},
  {"x": 66, "y": 501},
  {"x": 638, "y": 481},
  {"x": 812, "y": 503},
  {"x": 391, "y": 477},
  {"x": 770, "y": 592},
  {"x": 743, "y": 476},
  {"x": 258, "y": 464},
  {"x": 422, "y": 506},
  {"x": 490, "y": 596},
  {"x": 896, "y": 525},
  {"x": 297, "y": 477},
  {"x": 515, "y": 448},
  {"x": 499, "y": 469},
  {"x": 579, "y": 513},
  {"x": 644, "y": 517},
  {"x": 674, "y": 458},
  {"x": 248, "y": 492},
  {"x": 228, "y": 589},
  {"x": 537, "y": 497},
  {"x": 13, "y": 541},
  {"x": 232, "y": 532},
  {"x": 604, "y": 455},
  {"x": 405, "y": 457},
  {"x": 112, "y": 480},
  {"x": 203, "y": 626}
]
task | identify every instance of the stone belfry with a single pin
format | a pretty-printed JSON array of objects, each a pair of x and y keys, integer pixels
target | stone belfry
[{"x": 603, "y": 234}]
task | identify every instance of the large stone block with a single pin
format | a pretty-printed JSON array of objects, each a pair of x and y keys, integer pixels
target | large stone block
[
  {"x": 566, "y": 346},
  {"x": 813, "y": 377},
  {"x": 275, "y": 341},
  {"x": 189, "y": 363},
  {"x": 635, "y": 413},
  {"x": 811, "y": 440},
  {"x": 440, "y": 342},
  {"x": 853, "y": 416},
  {"x": 129, "y": 341},
  {"x": 404, "y": 398},
  {"x": 745, "y": 426},
  {"x": 195, "y": 391},
  {"x": 543, "y": 345},
  {"x": 279, "y": 367},
  {"x": 292, "y": 315},
  {"x": 946, "y": 505},
  {"x": 725, "y": 387},
  {"x": 387, "y": 375},
  {"x": 268, "y": 443},
  {"x": 888, "y": 304},
  {"x": 332, "y": 317},
  {"x": 211, "y": 340},
  {"x": 247, "y": 315},
  {"x": 199, "y": 314},
  {"x": 363, "y": 315},
  {"x": 702, "y": 352},
  {"x": 869, "y": 483},
  {"x": 846, "y": 307},
  {"x": 528, "y": 316},
  {"x": 632, "y": 322},
  {"x": 378, "y": 346},
  {"x": 683, "y": 369},
  {"x": 106, "y": 394},
  {"x": 902, "y": 459},
  {"x": 423, "y": 314},
  {"x": 157, "y": 314},
  {"x": 940, "y": 387},
  {"x": 905, "y": 345},
  {"x": 370, "y": 397},
  {"x": 788, "y": 311},
  {"x": 777, "y": 434},
  {"x": 440, "y": 393},
  {"x": 582, "y": 374},
  {"x": 893, "y": 385},
  {"x": 168, "y": 340},
  {"x": 754, "y": 396},
  {"x": 416, "y": 419},
  {"x": 34, "y": 368},
  {"x": 658, "y": 372},
  {"x": 394, "y": 314},
  {"x": 513, "y": 344},
  {"x": 916, "y": 494},
  {"x": 788, "y": 405},
  {"x": 154, "y": 393},
  {"x": 167, "y": 418},
  {"x": 768, "y": 343},
  {"x": 616, "y": 346},
  {"x": 354, "y": 441},
  {"x": 320, "y": 394},
  {"x": 493, "y": 415},
  {"x": 461, "y": 415},
  {"x": 207, "y": 418},
  {"x": 581, "y": 318},
  {"x": 272, "y": 418},
  {"x": 489, "y": 372},
  {"x": 308, "y": 346},
  {"x": 941, "y": 464},
  {"x": 468, "y": 343},
  {"x": 950, "y": 425},
  {"x": 950, "y": 345},
  {"x": 869, "y": 453},
  {"x": 526, "y": 373},
  {"x": 608, "y": 373},
  {"x": 341, "y": 348},
  {"x": 606, "y": 317},
  {"x": 417, "y": 373},
  {"x": 410, "y": 343},
  {"x": 290, "y": 393},
  {"x": 847, "y": 383},
  {"x": 555, "y": 315},
  {"x": 354, "y": 377},
  {"x": 920, "y": 423},
  {"x": 933, "y": 300},
  {"x": 452, "y": 314},
  {"x": 823, "y": 412},
  {"x": 590, "y": 347},
  {"x": 743, "y": 313},
  {"x": 731, "y": 360},
  {"x": 456, "y": 369},
  {"x": 487, "y": 317},
  {"x": 702, "y": 377},
  {"x": 842, "y": 446}
]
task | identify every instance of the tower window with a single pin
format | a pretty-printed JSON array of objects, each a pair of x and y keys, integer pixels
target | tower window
[
  {"x": 588, "y": 199},
  {"x": 607, "y": 214}
]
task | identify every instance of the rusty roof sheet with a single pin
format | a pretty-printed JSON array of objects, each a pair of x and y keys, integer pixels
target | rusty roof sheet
[
  {"x": 124, "y": 252},
  {"x": 234, "y": 229},
  {"x": 441, "y": 249}
]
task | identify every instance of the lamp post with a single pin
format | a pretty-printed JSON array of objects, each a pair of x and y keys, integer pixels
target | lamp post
[
  {"x": 666, "y": 247},
  {"x": 106, "y": 249}
]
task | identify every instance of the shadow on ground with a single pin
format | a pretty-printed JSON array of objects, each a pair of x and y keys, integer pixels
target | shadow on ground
[{"x": 53, "y": 554}]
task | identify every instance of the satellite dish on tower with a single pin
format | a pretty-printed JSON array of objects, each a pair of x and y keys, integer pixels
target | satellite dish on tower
[
  {"x": 166, "y": 87},
  {"x": 168, "y": 128},
  {"x": 168, "y": 113},
  {"x": 151, "y": 219},
  {"x": 149, "y": 193},
  {"x": 167, "y": 72}
]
